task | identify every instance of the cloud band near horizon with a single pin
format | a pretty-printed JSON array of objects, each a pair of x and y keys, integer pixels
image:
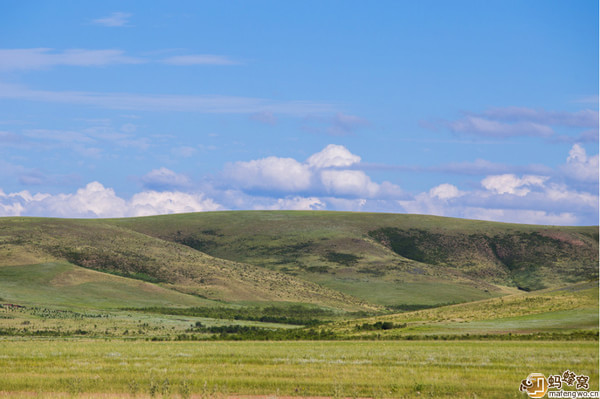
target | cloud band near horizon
[{"x": 325, "y": 181}]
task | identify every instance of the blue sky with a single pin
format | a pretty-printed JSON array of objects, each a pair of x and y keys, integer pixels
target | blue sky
[{"x": 483, "y": 110}]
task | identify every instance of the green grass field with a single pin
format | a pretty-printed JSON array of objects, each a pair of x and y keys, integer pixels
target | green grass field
[
  {"x": 381, "y": 369},
  {"x": 301, "y": 304}
]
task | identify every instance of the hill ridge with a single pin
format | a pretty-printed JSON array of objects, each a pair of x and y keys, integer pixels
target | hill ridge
[{"x": 340, "y": 259}]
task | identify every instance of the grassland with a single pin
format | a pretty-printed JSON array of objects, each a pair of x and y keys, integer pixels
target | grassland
[
  {"x": 344, "y": 250},
  {"x": 325, "y": 304},
  {"x": 110, "y": 249},
  {"x": 333, "y": 369},
  {"x": 63, "y": 284},
  {"x": 561, "y": 311},
  {"x": 350, "y": 261}
]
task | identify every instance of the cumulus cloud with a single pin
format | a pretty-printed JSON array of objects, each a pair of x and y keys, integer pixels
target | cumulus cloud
[
  {"x": 322, "y": 173},
  {"x": 154, "y": 203},
  {"x": 353, "y": 183},
  {"x": 333, "y": 156},
  {"x": 331, "y": 179},
  {"x": 511, "y": 184},
  {"x": 445, "y": 191},
  {"x": 509, "y": 198},
  {"x": 580, "y": 166},
  {"x": 94, "y": 200},
  {"x": 270, "y": 174},
  {"x": 529, "y": 198}
]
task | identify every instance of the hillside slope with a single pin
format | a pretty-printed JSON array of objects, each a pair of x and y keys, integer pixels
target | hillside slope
[
  {"x": 63, "y": 285},
  {"x": 389, "y": 259},
  {"x": 565, "y": 310},
  {"x": 107, "y": 248},
  {"x": 338, "y": 259}
]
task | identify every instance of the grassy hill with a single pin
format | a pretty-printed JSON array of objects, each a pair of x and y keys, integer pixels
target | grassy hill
[
  {"x": 348, "y": 261},
  {"x": 65, "y": 285},
  {"x": 565, "y": 310},
  {"x": 389, "y": 259},
  {"x": 114, "y": 250},
  {"x": 100, "y": 307}
]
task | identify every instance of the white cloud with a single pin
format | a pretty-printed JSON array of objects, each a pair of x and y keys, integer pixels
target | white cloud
[
  {"x": 43, "y": 58},
  {"x": 9, "y": 207},
  {"x": 321, "y": 173},
  {"x": 511, "y": 184},
  {"x": 474, "y": 205},
  {"x": 521, "y": 121},
  {"x": 116, "y": 19},
  {"x": 271, "y": 174},
  {"x": 40, "y": 58},
  {"x": 297, "y": 204},
  {"x": 509, "y": 198},
  {"x": 156, "y": 203},
  {"x": 525, "y": 216},
  {"x": 199, "y": 59},
  {"x": 76, "y": 140},
  {"x": 445, "y": 191},
  {"x": 333, "y": 156},
  {"x": 95, "y": 200},
  {"x": 582, "y": 118},
  {"x": 208, "y": 104},
  {"x": 581, "y": 167},
  {"x": 353, "y": 183},
  {"x": 492, "y": 128},
  {"x": 329, "y": 180}
]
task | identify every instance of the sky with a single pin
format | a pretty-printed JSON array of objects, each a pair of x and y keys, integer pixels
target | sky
[{"x": 480, "y": 110}]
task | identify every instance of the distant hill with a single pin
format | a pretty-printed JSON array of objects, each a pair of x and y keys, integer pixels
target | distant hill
[
  {"x": 336, "y": 259},
  {"x": 565, "y": 310}
]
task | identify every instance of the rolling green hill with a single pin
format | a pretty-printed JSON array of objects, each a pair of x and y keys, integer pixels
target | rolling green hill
[
  {"x": 349, "y": 261},
  {"x": 568, "y": 309},
  {"x": 93, "y": 244},
  {"x": 64, "y": 285},
  {"x": 390, "y": 259}
]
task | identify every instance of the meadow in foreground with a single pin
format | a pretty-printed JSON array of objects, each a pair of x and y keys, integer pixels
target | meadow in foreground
[{"x": 383, "y": 369}]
